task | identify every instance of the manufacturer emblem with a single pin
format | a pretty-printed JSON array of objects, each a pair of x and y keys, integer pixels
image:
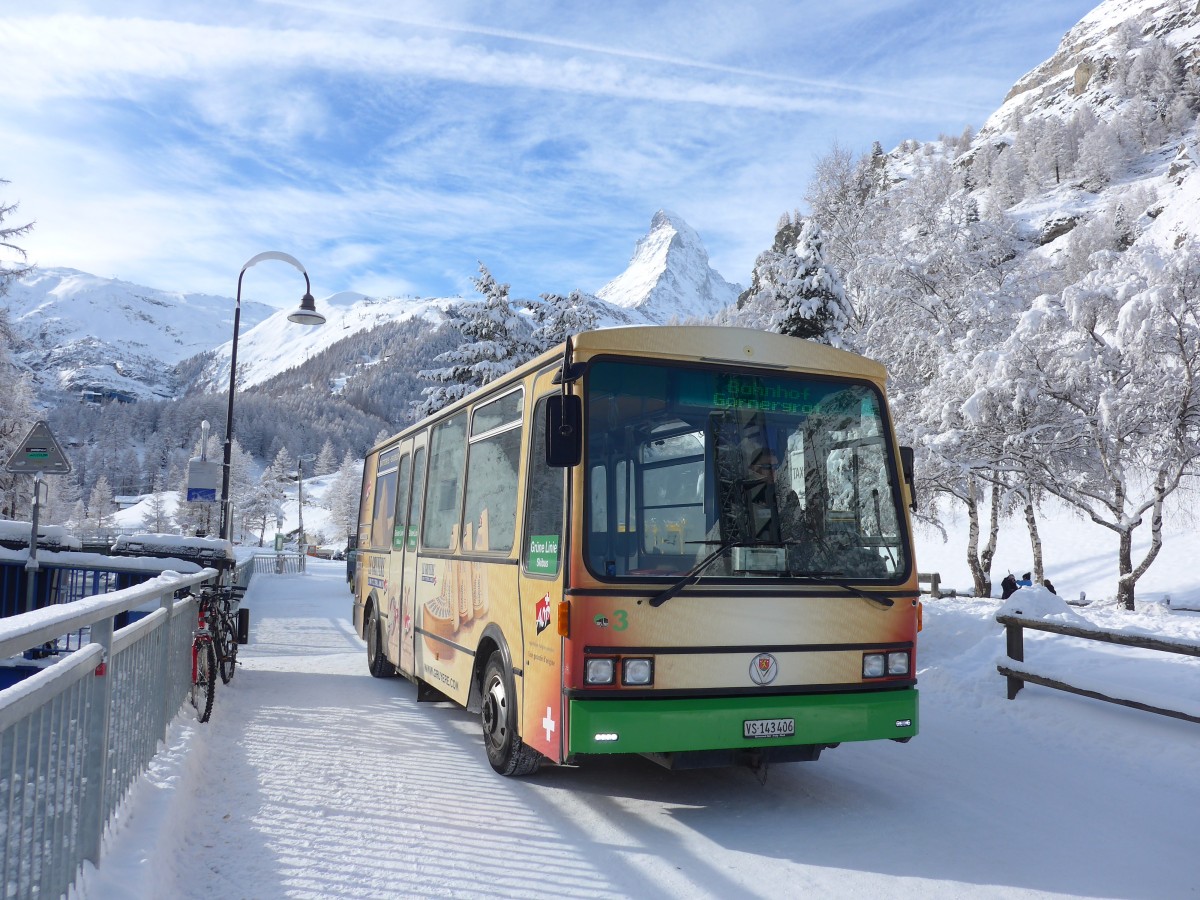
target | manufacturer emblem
[
  {"x": 542, "y": 614},
  {"x": 763, "y": 669}
]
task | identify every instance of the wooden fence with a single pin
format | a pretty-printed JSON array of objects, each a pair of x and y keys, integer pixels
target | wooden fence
[{"x": 1017, "y": 675}]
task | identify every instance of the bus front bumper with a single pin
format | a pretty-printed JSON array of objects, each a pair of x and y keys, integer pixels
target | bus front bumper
[{"x": 719, "y": 723}]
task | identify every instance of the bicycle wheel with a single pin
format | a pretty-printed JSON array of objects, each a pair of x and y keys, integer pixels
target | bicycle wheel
[
  {"x": 227, "y": 648},
  {"x": 204, "y": 681}
]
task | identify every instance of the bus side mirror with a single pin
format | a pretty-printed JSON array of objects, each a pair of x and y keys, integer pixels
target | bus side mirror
[
  {"x": 906, "y": 463},
  {"x": 564, "y": 436}
]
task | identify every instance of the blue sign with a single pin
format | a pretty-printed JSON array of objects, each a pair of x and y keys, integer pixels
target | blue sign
[{"x": 202, "y": 495}]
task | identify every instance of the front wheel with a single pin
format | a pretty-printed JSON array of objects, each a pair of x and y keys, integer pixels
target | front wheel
[
  {"x": 204, "y": 679},
  {"x": 377, "y": 661},
  {"x": 505, "y": 751},
  {"x": 227, "y": 652}
]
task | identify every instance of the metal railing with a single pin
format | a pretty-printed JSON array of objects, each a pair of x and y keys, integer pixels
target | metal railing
[
  {"x": 283, "y": 563},
  {"x": 76, "y": 735}
]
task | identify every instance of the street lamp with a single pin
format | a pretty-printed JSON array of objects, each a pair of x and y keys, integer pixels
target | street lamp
[{"x": 306, "y": 315}]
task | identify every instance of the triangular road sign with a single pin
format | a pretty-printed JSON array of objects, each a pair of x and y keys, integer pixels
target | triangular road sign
[{"x": 39, "y": 452}]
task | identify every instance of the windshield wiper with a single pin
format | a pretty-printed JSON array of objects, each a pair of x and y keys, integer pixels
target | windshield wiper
[
  {"x": 849, "y": 588},
  {"x": 697, "y": 570},
  {"x": 885, "y": 601}
]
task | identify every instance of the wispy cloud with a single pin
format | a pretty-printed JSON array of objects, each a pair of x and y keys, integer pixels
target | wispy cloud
[{"x": 166, "y": 145}]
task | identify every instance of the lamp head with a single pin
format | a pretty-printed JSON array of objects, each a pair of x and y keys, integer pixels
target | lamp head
[{"x": 307, "y": 313}]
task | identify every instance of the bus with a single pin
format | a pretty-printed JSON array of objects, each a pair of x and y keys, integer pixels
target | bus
[{"x": 689, "y": 543}]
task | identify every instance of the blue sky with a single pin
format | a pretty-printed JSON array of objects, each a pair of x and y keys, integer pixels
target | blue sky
[{"x": 391, "y": 146}]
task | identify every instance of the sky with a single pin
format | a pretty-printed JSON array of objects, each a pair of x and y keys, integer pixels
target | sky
[
  {"x": 313, "y": 779},
  {"x": 393, "y": 147}
]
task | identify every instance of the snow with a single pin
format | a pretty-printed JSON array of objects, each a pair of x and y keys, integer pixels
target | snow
[
  {"x": 15, "y": 531},
  {"x": 315, "y": 780},
  {"x": 82, "y": 330}
]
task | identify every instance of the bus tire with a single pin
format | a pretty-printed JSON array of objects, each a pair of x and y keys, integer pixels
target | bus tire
[
  {"x": 505, "y": 751},
  {"x": 377, "y": 661}
]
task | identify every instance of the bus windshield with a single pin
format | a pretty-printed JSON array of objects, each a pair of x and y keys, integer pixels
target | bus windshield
[{"x": 792, "y": 475}]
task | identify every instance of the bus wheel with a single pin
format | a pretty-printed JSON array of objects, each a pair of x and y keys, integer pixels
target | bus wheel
[
  {"x": 505, "y": 752},
  {"x": 377, "y": 661}
]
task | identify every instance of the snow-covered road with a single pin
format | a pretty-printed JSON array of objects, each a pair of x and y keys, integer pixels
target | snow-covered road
[{"x": 315, "y": 780}]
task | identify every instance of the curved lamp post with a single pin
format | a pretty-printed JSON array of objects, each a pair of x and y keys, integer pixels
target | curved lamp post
[{"x": 306, "y": 315}]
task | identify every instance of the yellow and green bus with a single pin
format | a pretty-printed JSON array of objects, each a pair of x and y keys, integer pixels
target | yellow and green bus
[{"x": 690, "y": 543}]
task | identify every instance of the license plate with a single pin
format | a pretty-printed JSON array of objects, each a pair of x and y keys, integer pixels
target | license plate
[{"x": 768, "y": 728}]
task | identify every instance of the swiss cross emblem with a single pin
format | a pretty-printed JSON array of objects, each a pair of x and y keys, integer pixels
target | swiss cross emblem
[
  {"x": 542, "y": 614},
  {"x": 548, "y": 724}
]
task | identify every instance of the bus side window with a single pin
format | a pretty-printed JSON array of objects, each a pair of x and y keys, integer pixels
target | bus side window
[
  {"x": 493, "y": 462},
  {"x": 366, "y": 502},
  {"x": 418, "y": 491},
  {"x": 446, "y": 457},
  {"x": 398, "y": 529},
  {"x": 542, "y": 552},
  {"x": 385, "y": 509}
]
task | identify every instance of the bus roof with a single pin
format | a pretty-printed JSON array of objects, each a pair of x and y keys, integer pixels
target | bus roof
[
  {"x": 737, "y": 346},
  {"x": 705, "y": 343}
]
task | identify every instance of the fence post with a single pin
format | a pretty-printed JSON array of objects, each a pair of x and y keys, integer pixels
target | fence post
[
  {"x": 1015, "y": 639},
  {"x": 96, "y": 766},
  {"x": 165, "y": 680}
]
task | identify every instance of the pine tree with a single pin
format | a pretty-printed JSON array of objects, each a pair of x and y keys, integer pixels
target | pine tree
[
  {"x": 326, "y": 459},
  {"x": 100, "y": 507},
  {"x": 16, "y": 402},
  {"x": 342, "y": 497},
  {"x": 495, "y": 341},
  {"x": 812, "y": 301},
  {"x": 793, "y": 289},
  {"x": 559, "y": 317},
  {"x": 157, "y": 518},
  {"x": 8, "y": 234}
]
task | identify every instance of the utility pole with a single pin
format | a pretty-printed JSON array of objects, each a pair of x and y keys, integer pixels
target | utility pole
[{"x": 300, "y": 504}]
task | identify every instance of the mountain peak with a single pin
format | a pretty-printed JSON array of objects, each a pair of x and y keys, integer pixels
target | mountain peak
[{"x": 669, "y": 276}]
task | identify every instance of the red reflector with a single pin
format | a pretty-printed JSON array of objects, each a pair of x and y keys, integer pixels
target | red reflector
[{"x": 101, "y": 670}]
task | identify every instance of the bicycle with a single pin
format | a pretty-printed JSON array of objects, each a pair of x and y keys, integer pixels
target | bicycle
[
  {"x": 204, "y": 660},
  {"x": 225, "y": 622}
]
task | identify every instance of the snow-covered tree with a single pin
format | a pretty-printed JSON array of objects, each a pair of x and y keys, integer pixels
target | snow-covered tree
[
  {"x": 9, "y": 271},
  {"x": 16, "y": 402},
  {"x": 794, "y": 289},
  {"x": 265, "y": 503},
  {"x": 558, "y": 317},
  {"x": 495, "y": 341},
  {"x": 341, "y": 499},
  {"x": 157, "y": 517},
  {"x": 100, "y": 508},
  {"x": 811, "y": 301},
  {"x": 326, "y": 459},
  {"x": 1117, "y": 357}
]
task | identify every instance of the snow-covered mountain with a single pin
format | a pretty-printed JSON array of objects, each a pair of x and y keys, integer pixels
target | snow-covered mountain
[
  {"x": 276, "y": 345},
  {"x": 1129, "y": 67},
  {"x": 77, "y": 332},
  {"x": 669, "y": 277},
  {"x": 1081, "y": 71}
]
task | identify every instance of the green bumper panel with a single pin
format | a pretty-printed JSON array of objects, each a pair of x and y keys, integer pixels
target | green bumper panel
[{"x": 716, "y": 723}]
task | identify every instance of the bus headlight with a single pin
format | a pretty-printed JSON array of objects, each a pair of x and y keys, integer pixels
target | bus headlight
[
  {"x": 600, "y": 670},
  {"x": 637, "y": 670},
  {"x": 884, "y": 665}
]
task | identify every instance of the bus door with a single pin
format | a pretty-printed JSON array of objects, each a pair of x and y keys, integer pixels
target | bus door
[
  {"x": 543, "y": 551},
  {"x": 404, "y": 548}
]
